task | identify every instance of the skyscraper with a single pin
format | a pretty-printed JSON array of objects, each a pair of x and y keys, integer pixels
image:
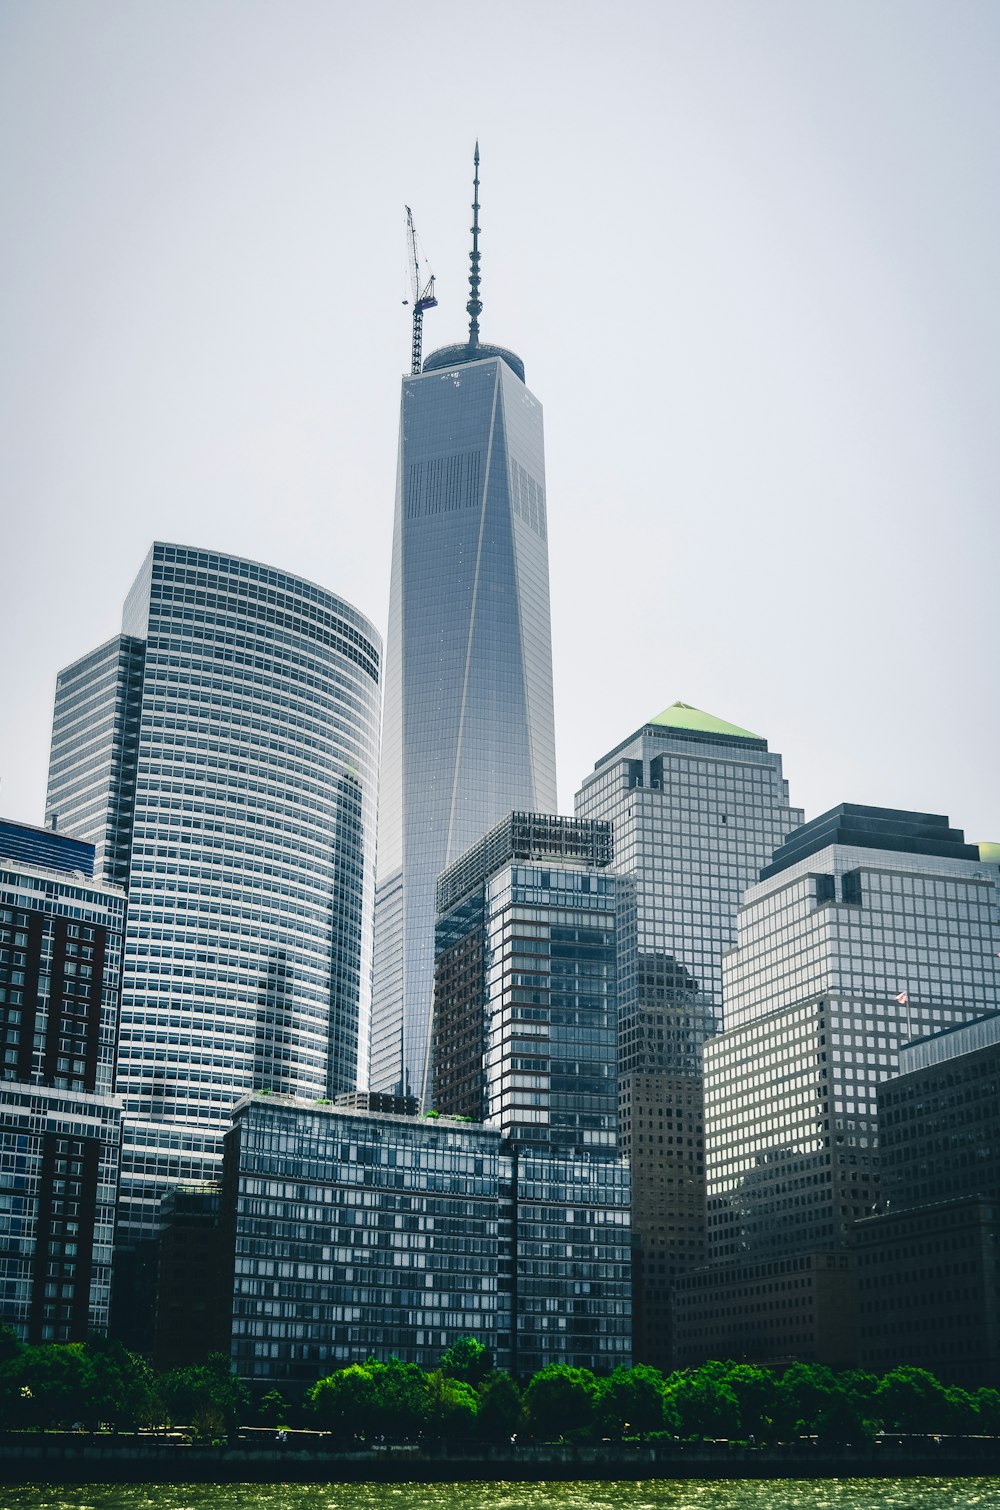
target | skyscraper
[
  {"x": 870, "y": 927},
  {"x": 531, "y": 925},
  {"x": 698, "y": 807},
  {"x": 535, "y": 943},
  {"x": 223, "y": 752},
  {"x": 468, "y": 731}
]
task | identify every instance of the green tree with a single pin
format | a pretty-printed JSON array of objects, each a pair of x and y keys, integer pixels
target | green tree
[
  {"x": 344, "y": 1403},
  {"x": 500, "y": 1407},
  {"x": 467, "y": 1359},
  {"x": 454, "y": 1407},
  {"x": 859, "y": 1383},
  {"x": 121, "y": 1387},
  {"x": 208, "y": 1397},
  {"x": 11, "y": 1405},
  {"x": 805, "y": 1392},
  {"x": 632, "y": 1399},
  {"x": 273, "y": 1409},
  {"x": 756, "y": 1391},
  {"x": 841, "y": 1419},
  {"x": 911, "y": 1400},
  {"x": 961, "y": 1417},
  {"x": 54, "y": 1381},
  {"x": 988, "y": 1405},
  {"x": 559, "y": 1402},
  {"x": 703, "y": 1405},
  {"x": 10, "y": 1344},
  {"x": 401, "y": 1403}
]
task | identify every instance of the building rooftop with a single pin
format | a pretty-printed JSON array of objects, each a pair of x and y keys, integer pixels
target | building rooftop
[
  {"x": 682, "y": 721},
  {"x": 457, "y": 355},
  {"x": 540, "y": 837},
  {"x": 951, "y": 1043},
  {"x": 24, "y": 844},
  {"x": 862, "y": 827},
  {"x": 683, "y": 716}
]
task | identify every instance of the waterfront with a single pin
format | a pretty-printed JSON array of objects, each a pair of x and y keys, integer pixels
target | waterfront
[{"x": 659, "y": 1494}]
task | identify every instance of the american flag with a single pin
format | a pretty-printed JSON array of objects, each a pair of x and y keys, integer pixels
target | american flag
[{"x": 903, "y": 999}]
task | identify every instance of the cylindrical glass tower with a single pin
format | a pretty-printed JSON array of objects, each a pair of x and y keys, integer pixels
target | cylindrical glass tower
[{"x": 241, "y": 763}]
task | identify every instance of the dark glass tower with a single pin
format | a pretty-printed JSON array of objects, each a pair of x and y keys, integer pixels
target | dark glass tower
[
  {"x": 532, "y": 923},
  {"x": 468, "y": 729}
]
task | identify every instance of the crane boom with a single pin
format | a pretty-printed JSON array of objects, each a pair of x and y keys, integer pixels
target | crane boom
[{"x": 423, "y": 298}]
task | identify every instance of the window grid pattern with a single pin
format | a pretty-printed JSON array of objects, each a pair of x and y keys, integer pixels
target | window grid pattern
[
  {"x": 60, "y": 1127},
  {"x": 468, "y": 727},
  {"x": 251, "y": 789},
  {"x": 815, "y": 1029},
  {"x": 695, "y": 818}
]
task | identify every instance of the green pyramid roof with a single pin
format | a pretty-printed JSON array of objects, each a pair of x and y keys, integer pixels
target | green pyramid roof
[
  {"x": 683, "y": 716},
  {"x": 990, "y": 853}
]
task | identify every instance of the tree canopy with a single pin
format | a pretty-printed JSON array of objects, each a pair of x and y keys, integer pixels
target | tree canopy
[{"x": 98, "y": 1384}]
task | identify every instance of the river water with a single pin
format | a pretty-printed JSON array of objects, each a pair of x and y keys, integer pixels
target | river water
[{"x": 658, "y": 1494}]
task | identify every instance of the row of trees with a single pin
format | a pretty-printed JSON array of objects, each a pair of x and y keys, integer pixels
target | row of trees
[
  {"x": 99, "y": 1384},
  {"x": 95, "y": 1384},
  {"x": 466, "y": 1398}
]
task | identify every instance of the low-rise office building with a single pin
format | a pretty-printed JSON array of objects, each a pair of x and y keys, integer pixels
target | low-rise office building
[
  {"x": 60, "y": 1125},
  {"x": 929, "y": 1261},
  {"x": 354, "y": 1234}
]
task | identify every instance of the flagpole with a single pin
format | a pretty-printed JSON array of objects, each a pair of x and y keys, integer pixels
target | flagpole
[{"x": 903, "y": 1000}]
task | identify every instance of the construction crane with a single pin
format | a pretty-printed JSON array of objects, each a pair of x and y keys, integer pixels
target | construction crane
[{"x": 422, "y": 299}]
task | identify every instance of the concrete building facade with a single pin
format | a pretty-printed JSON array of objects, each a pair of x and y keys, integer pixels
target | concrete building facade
[{"x": 60, "y": 1125}]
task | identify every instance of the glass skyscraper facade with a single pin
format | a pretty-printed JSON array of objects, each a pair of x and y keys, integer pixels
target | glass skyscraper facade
[
  {"x": 527, "y": 982},
  {"x": 468, "y": 731},
  {"x": 95, "y": 747},
  {"x": 871, "y": 927},
  {"x": 534, "y": 948},
  {"x": 227, "y": 743},
  {"x": 698, "y": 807},
  {"x": 889, "y": 905}
]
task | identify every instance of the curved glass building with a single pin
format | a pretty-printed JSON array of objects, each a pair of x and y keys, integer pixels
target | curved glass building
[{"x": 222, "y": 753}]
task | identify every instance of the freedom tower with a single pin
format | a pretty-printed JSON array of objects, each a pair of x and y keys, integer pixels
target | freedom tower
[{"x": 468, "y": 731}]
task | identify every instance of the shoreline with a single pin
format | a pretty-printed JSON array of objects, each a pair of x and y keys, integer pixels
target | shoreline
[{"x": 58, "y": 1459}]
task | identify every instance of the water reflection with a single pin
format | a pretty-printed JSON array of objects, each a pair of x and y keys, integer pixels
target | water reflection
[{"x": 738, "y": 1494}]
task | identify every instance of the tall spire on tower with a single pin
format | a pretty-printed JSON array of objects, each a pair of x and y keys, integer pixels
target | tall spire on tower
[{"x": 475, "y": 305}]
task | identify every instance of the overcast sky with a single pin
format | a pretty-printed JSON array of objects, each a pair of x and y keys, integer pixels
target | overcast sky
[{"x": 748, "y": 252}]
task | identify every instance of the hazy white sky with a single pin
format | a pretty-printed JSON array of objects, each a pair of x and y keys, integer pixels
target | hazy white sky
[{"x": 748, "y": 252}]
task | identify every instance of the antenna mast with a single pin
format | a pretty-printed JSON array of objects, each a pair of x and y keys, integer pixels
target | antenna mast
[
  {"x": 422, "y": 299},
  {"x": 474, "y": 306}
]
